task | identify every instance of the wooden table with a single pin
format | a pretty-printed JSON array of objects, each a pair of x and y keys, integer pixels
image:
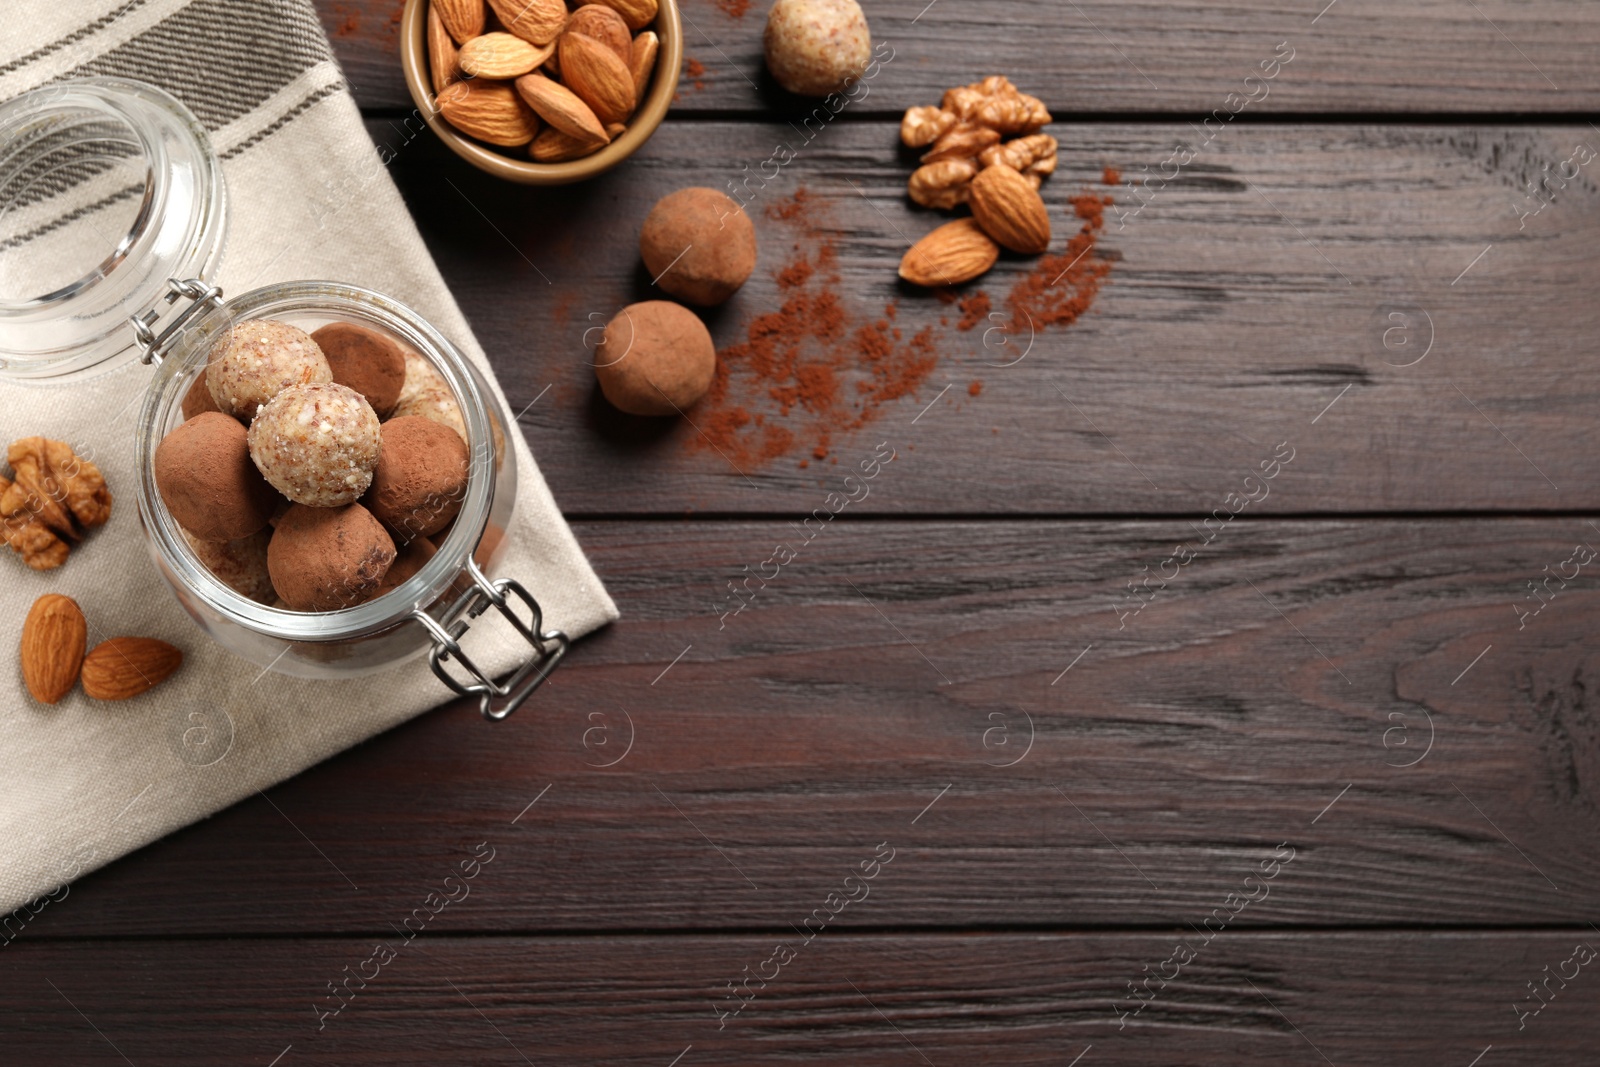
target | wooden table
[{"x": 1328, "y": 758}]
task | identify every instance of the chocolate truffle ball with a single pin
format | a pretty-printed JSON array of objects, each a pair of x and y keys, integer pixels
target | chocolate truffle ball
[
  {"x": 325, "y": 559},
  {"x": 367, "y": 361},
  {"x": 259, "y": 359},
  {"x": 410, "y": 560},
  {"x": 240, "y": 565},
  {"x": 655, "y": 358},
  {"x": 698, "y": 245},
  {"x": 198, "y": 398},
  {"x": 206, "y": 479},
  {"x": 426, "y": 393},
  {"x": 317, "y": 444},
  {"x": 420, "y": 478}
]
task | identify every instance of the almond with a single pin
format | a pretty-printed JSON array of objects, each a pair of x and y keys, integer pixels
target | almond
[
  {"x": 489, "y": 111},
  {"x": 54, "y": 636},
  {"x": 124, "y": 667},
  {"x": 538, "y": 21},
  {"x": 561, "y": 108},
  {"x": 642, "y": 61},
  {"x": 554, "y": 146},
  {"x": 501, "y": 55},
  {"x": 442, "y": 52},
  {"x": 636, "y": 13},
  {"x": 604, "y": 25},
  {"x": 956, "y": 252},
  {"x": 462, "y": 18},
  {"x": 1010, "y": 210},
  {"x": 601, "y": 80}
]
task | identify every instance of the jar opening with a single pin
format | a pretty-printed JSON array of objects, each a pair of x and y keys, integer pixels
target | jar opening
[
  {"x": 74, "y": 182},
  {"x": 108, "y": 188}
]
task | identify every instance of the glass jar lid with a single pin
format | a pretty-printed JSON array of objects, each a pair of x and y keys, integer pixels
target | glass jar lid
[{"x": 108, "y": 187}]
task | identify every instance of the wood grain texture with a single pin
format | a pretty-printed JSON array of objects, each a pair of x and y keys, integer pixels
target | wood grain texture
[
  {"x": 1253, "y": 301},
  {"x": 1273, "y": 692},
  {"x": 1104, "y": 56},
  {"x": 891, "y": 1000}
]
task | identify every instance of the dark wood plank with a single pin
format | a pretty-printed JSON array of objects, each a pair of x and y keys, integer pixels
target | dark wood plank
[
  {"x": 366, "y": 39},
  {"x": 1103, "y": 56},
  {"x": 1170, "y": 760},
  {"x": 1246, "y": 298},
  {"x": 1354, "y": 998}
]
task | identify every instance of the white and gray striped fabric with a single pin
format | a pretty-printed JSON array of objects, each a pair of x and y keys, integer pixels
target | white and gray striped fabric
[{"x": 83, "y": 783}]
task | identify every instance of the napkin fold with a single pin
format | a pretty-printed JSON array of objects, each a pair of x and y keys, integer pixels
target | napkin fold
[{"x": 82, "y": 783}]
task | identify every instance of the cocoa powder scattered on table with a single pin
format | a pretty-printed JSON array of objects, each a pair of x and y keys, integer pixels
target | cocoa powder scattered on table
[
  {"x": 1062, "y": 286},
  {"x": 975, "y": 308},
  {"x": 695, "y": 71},
  {"x": 813, "y": 369},
  {"x": 818, "y": 369}
]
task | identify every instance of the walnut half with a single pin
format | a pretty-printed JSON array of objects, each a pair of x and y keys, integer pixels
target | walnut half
[
  {"x": 53, "y": 496},
  {"x": 962, "y": 141},
  {"x": 996, "y": 103},
  {"x": 922, "y": 126},
  {"x": 1034, "y": 154},
  {"x": 943, "y": 184}
]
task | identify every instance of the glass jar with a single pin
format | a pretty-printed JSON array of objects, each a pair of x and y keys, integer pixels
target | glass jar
[{"x": 77, "y": 299}]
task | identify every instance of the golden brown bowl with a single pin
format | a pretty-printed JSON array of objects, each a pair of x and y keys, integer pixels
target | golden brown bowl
[{"x": 663, "y": 84}]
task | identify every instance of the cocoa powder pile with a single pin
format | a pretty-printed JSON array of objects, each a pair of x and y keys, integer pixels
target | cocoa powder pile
[
  {"x": 812, "y": 369},
  {"x": 975, "y": 309},
  {"x": 817, "y": 369},
  {"x": 1062, "y": 286}
]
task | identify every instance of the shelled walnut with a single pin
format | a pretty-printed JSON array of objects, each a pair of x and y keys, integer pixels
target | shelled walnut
[
  {"x": 997, "y": 104},
  {"x": 943, "y": 184},
  {"x": 1034, "y": 154},
  {"x": 963, "y": 141},
  {"x": 52, "y": 498},
  {"x": 922, "y": 126}
]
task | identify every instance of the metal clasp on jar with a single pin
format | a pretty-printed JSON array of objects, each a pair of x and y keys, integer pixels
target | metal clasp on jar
[
  {"x": 548, "y": 647},
  {"x": 202, "y": 297}
]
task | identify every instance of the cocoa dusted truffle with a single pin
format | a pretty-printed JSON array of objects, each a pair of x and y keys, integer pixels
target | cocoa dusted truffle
[
  {"x": 365, "y": 360},
  {"x": 198, "y": 398},
  {"x": 325, "y": 559},
  {"x": 208, "y": 482},
  {"x": 410, "y": 560},
  {"x": 698, "y": 245},
  {"x": 420, "y": 478},
  {"x": 655, "y": 358},
  {"x": 317, "y": 444},
  {"x": 259, "y": 359},
  {"x": 240, "y": 565}
]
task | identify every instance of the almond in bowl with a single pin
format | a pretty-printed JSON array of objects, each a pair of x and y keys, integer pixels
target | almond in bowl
[{"x": 538, "y": 94}]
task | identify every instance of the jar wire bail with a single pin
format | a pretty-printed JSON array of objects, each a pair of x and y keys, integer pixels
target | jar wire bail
[
  {"x": 202, "y": 298},
  {"x": 548, "y": 646}
]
